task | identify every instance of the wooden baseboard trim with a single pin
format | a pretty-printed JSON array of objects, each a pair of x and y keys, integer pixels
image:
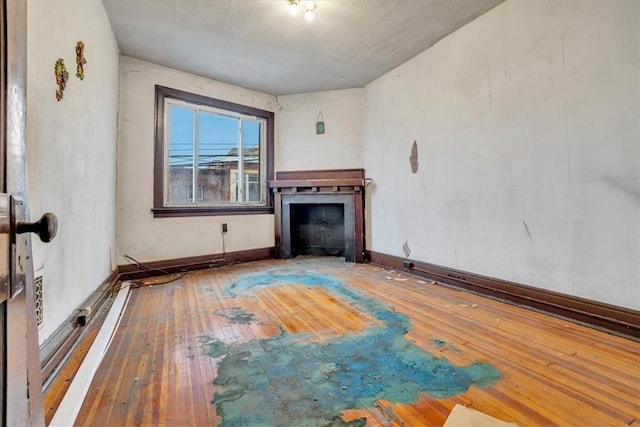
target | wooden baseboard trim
[
  {"x": 58, "y": 346},
  {"x": 73, "y": 335},
  {"x": 618, "y": 320},
  {"x": 54, "y": 350},
  {"x": 178, "y": 265}
]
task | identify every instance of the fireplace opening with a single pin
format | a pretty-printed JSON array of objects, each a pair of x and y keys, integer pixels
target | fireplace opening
[{"x": 317, "y": 229}]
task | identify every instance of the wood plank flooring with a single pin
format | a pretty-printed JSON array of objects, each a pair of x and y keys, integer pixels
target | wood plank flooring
[{"x": 186, "y": 354}]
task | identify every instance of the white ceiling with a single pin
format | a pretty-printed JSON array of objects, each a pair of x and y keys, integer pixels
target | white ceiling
[{"x": 259, "y": 45}]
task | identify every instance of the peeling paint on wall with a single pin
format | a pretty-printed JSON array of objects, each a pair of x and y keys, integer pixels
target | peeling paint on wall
[
  {"x": 413, "y": 158},
  {"x": 406, "y": 249}
]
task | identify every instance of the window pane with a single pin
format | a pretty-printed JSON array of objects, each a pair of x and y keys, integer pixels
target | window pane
[
  {"x": 181, "y": 125},
  {"x": 218, "y": 157},
  {"x": 251, "y": 161}
]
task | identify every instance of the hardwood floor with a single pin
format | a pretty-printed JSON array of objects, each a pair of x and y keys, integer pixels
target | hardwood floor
[{"x": 319, "y": 342}]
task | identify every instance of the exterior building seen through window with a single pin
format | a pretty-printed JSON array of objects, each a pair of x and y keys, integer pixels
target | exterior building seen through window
[
  {"x": 216, "y": 156},
  {"x": 226, "y": 151}
]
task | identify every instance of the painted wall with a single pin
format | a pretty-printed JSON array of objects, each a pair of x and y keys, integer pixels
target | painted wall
[
  {"x": 140, "y": 235},
  {"x": 71, "y": 151},
  {"x": 527, "y": 128},
  {"x": 298, "y": 145}
]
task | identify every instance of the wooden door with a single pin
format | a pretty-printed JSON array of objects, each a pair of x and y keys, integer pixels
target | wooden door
[{"x": 20, "y": 377}]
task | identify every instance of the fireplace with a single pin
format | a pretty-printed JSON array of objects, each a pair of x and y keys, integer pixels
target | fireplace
[
  {"x": 317, "y": 224},
  {"x": 319, "y": 213},
  {"x": 317, "y": 229}
]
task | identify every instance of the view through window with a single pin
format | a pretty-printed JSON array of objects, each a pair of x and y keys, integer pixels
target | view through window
[
  {"x": 226, "y": 150},
  {"x": 214, "y": 156}
]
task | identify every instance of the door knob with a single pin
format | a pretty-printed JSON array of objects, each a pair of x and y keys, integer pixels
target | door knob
[{"x": 46, "y": 227}]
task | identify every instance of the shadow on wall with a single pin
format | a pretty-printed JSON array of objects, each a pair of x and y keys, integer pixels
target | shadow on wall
[{"x": 623, "y": 186}]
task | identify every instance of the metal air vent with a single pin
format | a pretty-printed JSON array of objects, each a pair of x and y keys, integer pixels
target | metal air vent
[{"x": 37, "y": 295}]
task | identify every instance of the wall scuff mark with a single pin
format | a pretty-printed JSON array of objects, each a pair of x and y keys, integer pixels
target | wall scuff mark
[
  {"x": 526, "y": 228},
  {"x": 413, "y": 158}
]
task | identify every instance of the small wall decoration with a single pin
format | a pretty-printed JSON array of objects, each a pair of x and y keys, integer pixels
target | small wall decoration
[
  {"x": 62, "y": 76},
  {"x": 80, "y": 60},
  {"x": 413, "y": 158},
  {"x": 320, "y": 124}
]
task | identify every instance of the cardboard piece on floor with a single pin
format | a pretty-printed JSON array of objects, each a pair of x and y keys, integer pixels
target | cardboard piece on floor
[{"x": 461, "y": 416}]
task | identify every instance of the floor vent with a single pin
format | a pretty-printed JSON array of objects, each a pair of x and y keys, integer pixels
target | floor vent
[{"x": 37, "y": 294}]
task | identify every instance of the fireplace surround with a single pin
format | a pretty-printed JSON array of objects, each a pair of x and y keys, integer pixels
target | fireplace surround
[{"x": 319, "y": 212}]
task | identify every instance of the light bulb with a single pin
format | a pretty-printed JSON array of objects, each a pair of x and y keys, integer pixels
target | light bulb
[
  {"x": 293, "y": 7},
  {"x": 309, "y": 15}
]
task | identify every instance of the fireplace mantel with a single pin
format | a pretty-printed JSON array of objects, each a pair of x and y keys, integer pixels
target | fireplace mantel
[
  {"x": 319, "y": 180},
  {"x": 302, "y": 187}
]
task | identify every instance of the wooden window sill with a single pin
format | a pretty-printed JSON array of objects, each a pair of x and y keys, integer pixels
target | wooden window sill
[{"x": 182, "y": 211}]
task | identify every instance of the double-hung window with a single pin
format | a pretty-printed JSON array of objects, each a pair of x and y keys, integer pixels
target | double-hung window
[{"x": 212, "y": 157}]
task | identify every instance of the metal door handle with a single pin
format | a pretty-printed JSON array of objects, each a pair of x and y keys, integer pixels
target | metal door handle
[{"x": 46, "y": 227}]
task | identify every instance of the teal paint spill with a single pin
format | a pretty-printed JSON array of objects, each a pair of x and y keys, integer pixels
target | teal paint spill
[
  {"x": 214, "y": 347},
  {"x": 286, "y": 381},
  {"x": 236, "y": 315}
]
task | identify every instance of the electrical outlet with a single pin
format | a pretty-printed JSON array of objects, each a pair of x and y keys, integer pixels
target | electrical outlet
[{"x": 224, "y": 228}]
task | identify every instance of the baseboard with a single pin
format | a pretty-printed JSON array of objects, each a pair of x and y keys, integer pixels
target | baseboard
[
  {"x": 69, "y": 407},
  {"x": 59, "y": 343},
  {"x": 611, "y": 318},
  {"x": 55, "y": 350},
  {"x": 176, "y": 265},
  {"x": 57, "y": 346}
]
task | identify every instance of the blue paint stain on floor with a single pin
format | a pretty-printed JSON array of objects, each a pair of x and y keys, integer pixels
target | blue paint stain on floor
[
  {"x": 285, "y": 380},
  {"x": 236, "y": 315}
]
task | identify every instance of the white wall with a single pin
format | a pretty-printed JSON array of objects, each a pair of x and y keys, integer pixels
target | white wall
[
  {"x": 527, "y": 126},
  {"x": 140, "y": 235},
  {"x": 71, "y": 151},
  {"x": 297, "y": 144}
]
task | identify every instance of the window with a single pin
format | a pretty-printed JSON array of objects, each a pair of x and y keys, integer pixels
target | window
[
  {"x": 200, "y": 193},
  {"x": 212, "y": 157}
]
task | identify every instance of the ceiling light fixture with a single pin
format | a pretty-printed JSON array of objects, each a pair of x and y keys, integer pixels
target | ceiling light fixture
[{"x": 308, "y": 6}]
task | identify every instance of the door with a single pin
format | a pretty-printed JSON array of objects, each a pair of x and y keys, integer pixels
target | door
[{"x": 20, "y": 378}]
